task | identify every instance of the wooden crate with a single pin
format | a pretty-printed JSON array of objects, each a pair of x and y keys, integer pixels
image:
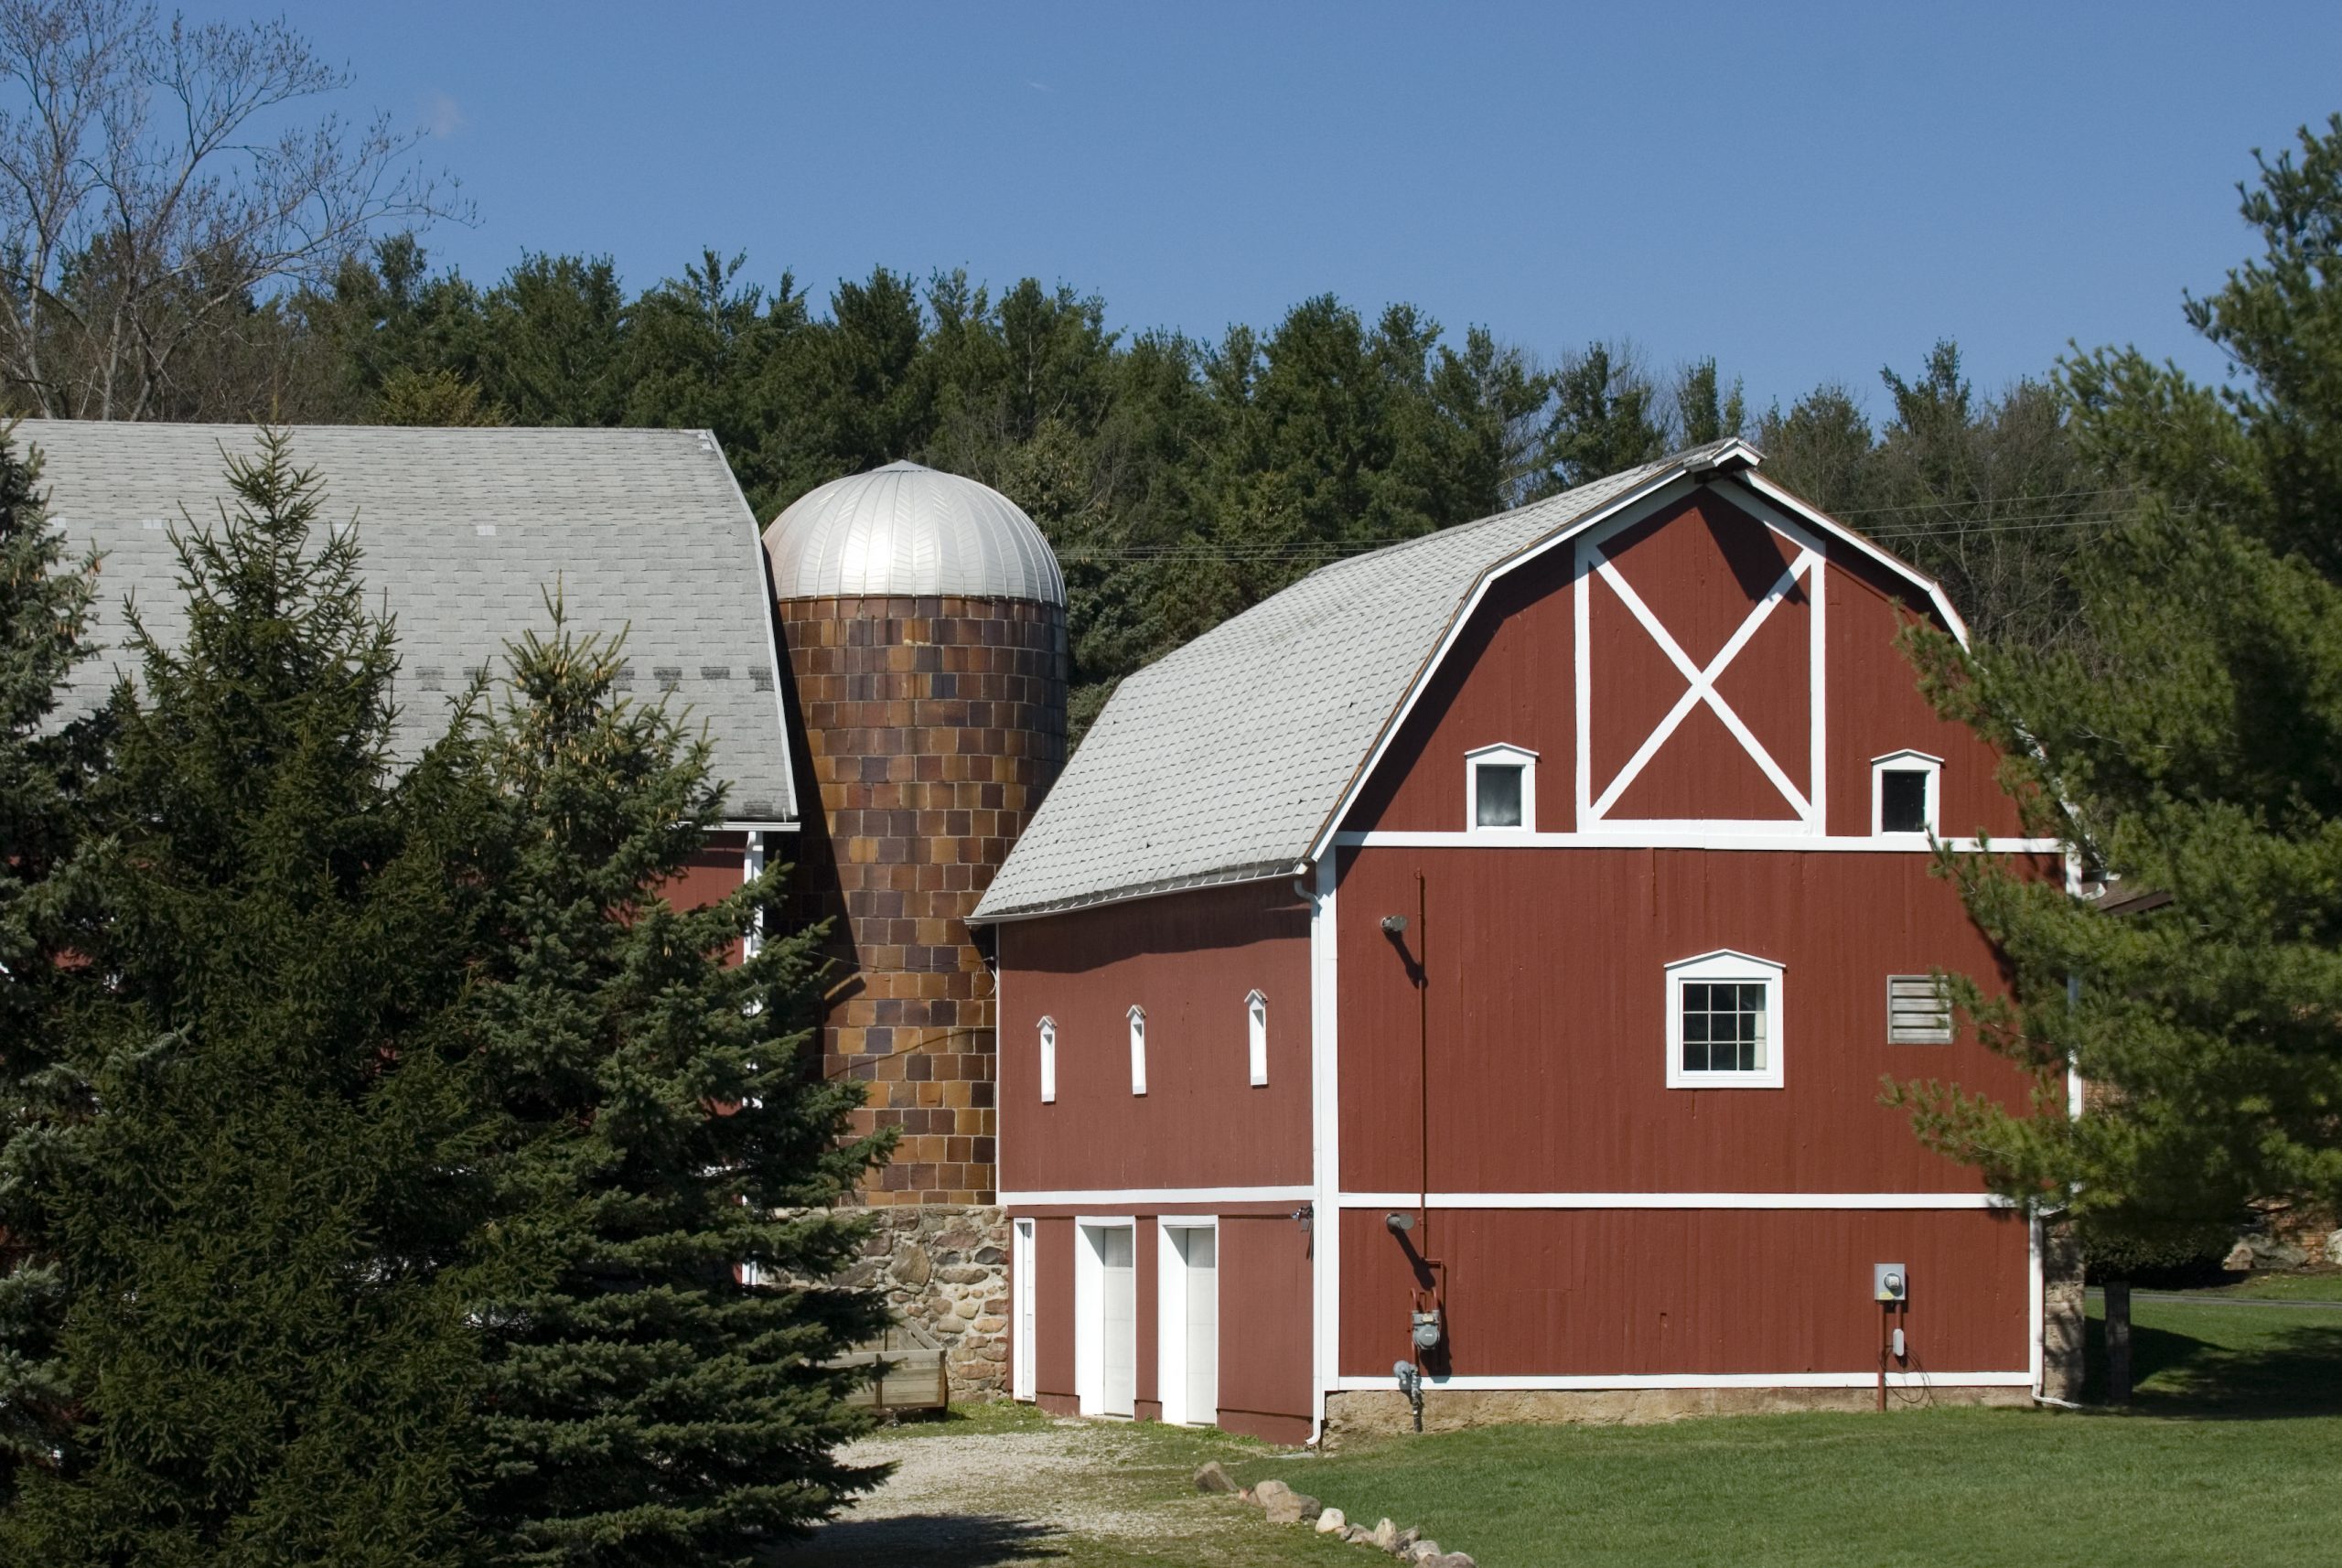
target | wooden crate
[{"x": 911, "y": 1375}]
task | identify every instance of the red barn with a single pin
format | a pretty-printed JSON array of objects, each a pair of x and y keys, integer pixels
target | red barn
[{"x": 1508, "y": 932}]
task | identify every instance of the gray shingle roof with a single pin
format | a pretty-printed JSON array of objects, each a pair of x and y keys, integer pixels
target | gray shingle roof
[
  {"x": 1222, "y": 761},
  {"x": 462, "y": 529}
]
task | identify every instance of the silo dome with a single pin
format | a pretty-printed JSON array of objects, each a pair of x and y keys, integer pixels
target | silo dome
[{"x": 905, "y": 530}]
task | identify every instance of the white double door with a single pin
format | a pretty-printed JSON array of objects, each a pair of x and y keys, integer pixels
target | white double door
[
  {"x": 1188, "y": 1324},
  {"x": 1186, "y": 1320}
]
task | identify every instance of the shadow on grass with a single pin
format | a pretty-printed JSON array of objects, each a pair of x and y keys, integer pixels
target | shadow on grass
[
  {"x": 2295, "y": 1371},
  {"x": 925, "y": 1541}
]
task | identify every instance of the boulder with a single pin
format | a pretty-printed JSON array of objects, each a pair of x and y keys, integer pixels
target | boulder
[
  {"x": 1290, "y": 1507},
  {"x": 2333, "y": 1248},
  {"x": 1330, "y": 1521},
  {"x": 2240, "y": 1258},
  {"x": 1357, "y": 1536},
  {"x": 1214, "y": 1477},
  {"x": 1407, "y": 1539},
  {"x": 1457, "y": 1560},
  {"x": 1385, "y": 1536},
  {"x": 1263, "y": 1490},
  {"x": 1421, "y": 1552}
]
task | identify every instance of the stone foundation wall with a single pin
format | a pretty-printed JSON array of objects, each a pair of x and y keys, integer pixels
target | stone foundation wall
[
  {"x": 1378, "y": 1415},
  {"x": 945, "y": 1269},
  {"x": 2064, "y": 1312}
]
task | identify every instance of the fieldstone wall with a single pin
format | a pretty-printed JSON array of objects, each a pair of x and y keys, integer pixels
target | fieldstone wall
[
  {"x": 2064, "y": 1312},
  {"x": 1358, "y": 1413},
  {"x": 946, "y": 1270}
]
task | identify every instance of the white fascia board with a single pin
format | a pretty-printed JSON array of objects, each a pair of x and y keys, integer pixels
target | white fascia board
[
  {"x": 1815, "y": 518},
  {"x": 1143, "y": 1198},
  {"x": 1692, "y": 835},
  {"x": 1611, "y": 1201},
  {"x": 761, "y": 572}
]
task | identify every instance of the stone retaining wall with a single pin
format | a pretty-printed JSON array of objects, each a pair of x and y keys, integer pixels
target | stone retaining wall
[
  {"x": 1380, "y": 1415},
  {"x": 946, "y": 1270}
]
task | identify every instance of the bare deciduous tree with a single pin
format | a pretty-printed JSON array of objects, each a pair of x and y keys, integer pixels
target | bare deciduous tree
[{"x": 159, "y": 183}]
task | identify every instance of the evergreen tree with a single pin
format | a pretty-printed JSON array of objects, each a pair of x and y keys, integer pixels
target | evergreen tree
[
  {"x": 262, "y": 1110},
  {"x": 44, "y": 604},
  {"x": 656, "y": 1397},
  {"x": 2191, "y": 745}
]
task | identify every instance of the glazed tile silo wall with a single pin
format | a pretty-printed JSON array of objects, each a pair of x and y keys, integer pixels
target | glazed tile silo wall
[{"x": 932, "y": 727}]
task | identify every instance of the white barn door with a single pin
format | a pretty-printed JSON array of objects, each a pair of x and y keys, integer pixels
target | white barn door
[
  {"x": 1188, "y": 1324},
  {"x": 1105, "y": 1341},
  {"x": 1023, "y": 1384}
]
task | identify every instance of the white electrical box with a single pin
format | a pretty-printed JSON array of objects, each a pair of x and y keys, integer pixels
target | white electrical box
[{"x": 1890, "y": 1282}]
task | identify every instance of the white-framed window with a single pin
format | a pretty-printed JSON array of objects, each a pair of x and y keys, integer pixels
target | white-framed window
[
  {"x": 1500, "y": 789},
  {"x": 1918, "y": 1010},
  {"x": 1256, "y": 1031},
  {"x": 1724, "y": 1022},
  {"x": 1048, "y": 1059},
  {"x": 1138, "y": 1050},
  {"x": 1906, "y": 795}
]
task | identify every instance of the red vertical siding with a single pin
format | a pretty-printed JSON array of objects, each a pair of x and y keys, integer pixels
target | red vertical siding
[
  {"x": 1265, "y": 1327},
  {"x": 1700, "y": 567},
  {"x": 1548, "y": 1025},
  {"x": 1190, "y": 960},
  {"x": 1053, "y": 1374},
  {"x": 1636, "y": 1292},
  {"x": 1147, "y": 1283}
]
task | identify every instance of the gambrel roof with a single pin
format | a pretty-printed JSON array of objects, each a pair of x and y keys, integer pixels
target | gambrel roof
[
  {"x": 1234, "y": 758},
  {"x": 462, "y": 532}
]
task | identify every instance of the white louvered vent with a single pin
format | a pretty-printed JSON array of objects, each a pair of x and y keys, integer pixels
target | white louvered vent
[{"x": 1918, "y": 1011}]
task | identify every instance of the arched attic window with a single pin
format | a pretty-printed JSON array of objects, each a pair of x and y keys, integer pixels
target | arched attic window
[
  {"x": 1138, "y": 1050},
  {"x": 1048, "y": 1059}
]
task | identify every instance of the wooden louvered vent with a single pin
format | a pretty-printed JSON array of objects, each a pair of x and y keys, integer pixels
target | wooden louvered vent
[{"x": 1918, "y": 1011}]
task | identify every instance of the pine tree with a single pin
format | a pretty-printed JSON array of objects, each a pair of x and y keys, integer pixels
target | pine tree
[
  {"x": 2190, "y": 745},
  {"x": 261, "y": 1208},
  {"x": 647, "y": 1404},
  {"x": 44, "y": 606}
]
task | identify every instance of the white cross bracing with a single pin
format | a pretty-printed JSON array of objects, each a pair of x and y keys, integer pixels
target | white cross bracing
[{"x": 1701, "y": 680}]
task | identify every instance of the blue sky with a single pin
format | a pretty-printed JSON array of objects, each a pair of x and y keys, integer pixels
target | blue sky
[{"x": 1804, "y": 191}]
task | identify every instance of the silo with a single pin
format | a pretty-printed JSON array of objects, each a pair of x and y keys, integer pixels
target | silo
[{"x": 924, "y": 617}]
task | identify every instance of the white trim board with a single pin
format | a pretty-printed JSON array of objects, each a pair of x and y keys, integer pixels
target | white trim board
[
  {"x": 1140, "y": 1198},
  {"x": 1325, "y": 1141},
  {"x": 1776, "y": 1200},
  {"x": 1692, "y": 835},
  {"x": 1386, "y": 1384}
]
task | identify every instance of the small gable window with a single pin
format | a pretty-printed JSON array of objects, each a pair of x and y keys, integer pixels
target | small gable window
[
  {"x": 1724, "y": 1022},
  {"x": 1138, "y": 1050},
  {"x": 1500, "y": 783},
  {"x": 1256, "y": 1026},
  {"x": 1048, "y": 1059},
  {"x": 1904, "y": 794}
]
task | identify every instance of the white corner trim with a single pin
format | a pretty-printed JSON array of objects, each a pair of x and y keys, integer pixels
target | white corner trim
[
  {"x": 1325, "y": 1143},
  {"x": 1533, "y": 1381},
  {"x": 1750, "y": 1200},
  {"x": 1143, "y": 1199},
  {"x": 1717, "y": 836},
  {"x": 1727, "y": 966}
]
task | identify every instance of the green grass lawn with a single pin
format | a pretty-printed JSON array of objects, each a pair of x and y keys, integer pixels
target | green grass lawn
[
  {"x": 2282, "y": 1287},
  {"x": 2230, "y": 1455}
]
